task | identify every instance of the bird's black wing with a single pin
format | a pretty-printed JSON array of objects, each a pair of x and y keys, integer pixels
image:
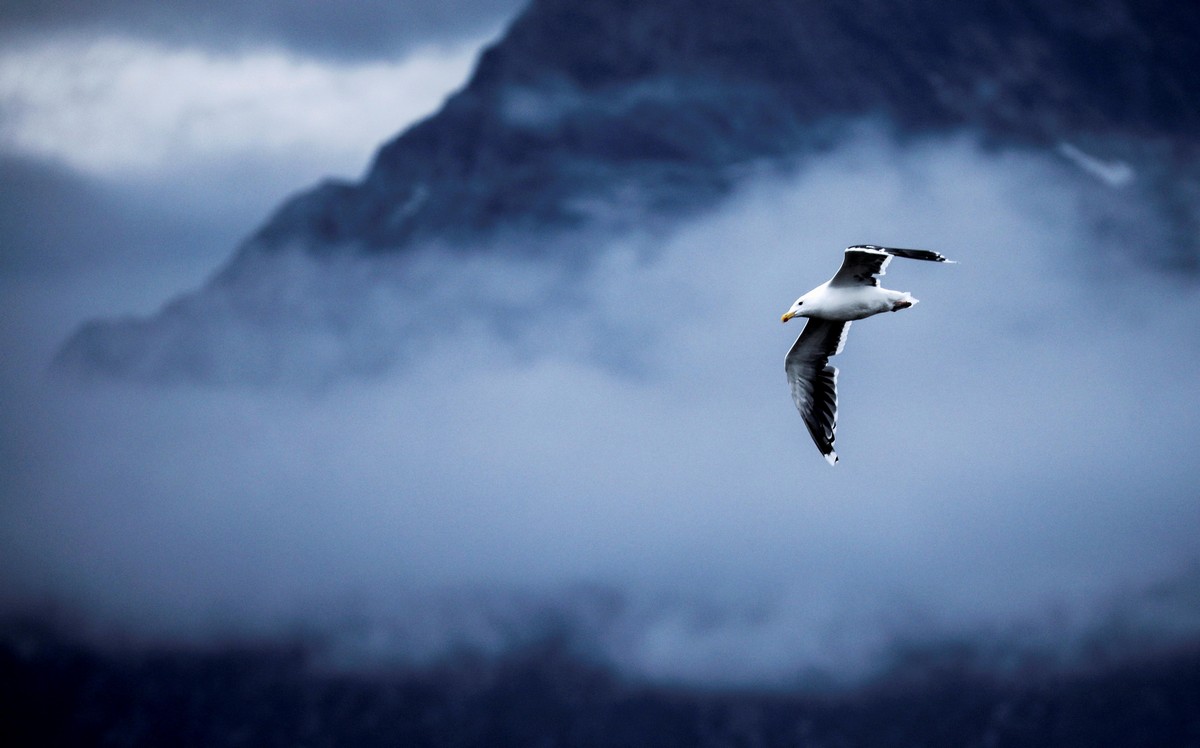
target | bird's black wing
[
  {"x": 860, "y": 267},
  {"x": 814, "y": 381},
  {"x": 913, "y": 254}
]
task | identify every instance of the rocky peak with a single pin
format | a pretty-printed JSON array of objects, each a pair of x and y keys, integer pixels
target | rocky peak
[
  {"x": 586, "y": 101},
  {"x": 608, "y": 114}
]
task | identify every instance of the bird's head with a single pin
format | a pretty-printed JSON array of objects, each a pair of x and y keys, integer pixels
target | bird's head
[{"x": 797, "y": 310}]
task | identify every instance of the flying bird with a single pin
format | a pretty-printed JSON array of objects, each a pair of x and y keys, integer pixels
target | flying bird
[{"x": 852, "y": 293}]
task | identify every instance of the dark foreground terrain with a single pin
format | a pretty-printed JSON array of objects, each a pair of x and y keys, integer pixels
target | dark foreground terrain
[{"x": 55, "y": 691}]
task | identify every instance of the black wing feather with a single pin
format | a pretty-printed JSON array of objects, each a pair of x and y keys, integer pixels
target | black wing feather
[
  {"x": 814, "y": 382},
  {"x": 911, "y": 254},
  {"x": 859, "y": 267}
]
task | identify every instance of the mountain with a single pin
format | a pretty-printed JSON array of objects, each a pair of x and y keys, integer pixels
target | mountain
[
  {"x": 606, "y": 115},
  {"x": 587, "y": 102},
  {"x": 62, "y": 692}
]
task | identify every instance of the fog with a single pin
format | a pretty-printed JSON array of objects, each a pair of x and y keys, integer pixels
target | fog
[
  {"x": 119, "y": 107},
  {"x": 613, "y": 446}
]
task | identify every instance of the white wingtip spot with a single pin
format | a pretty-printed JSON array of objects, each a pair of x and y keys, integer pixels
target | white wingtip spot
[{"x": 831, "y": 458}]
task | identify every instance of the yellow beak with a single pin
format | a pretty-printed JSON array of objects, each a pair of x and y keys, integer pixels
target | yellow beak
[{"x": 786, "y": 317}]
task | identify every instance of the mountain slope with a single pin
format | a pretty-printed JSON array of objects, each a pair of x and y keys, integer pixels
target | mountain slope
[
  {"x": 583, "y": 99},
  {"x": 615, "y": 114},
  {"x": 548, "y": 695}
]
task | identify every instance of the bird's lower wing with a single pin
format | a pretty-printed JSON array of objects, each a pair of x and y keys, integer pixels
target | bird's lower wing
[{"x": 814, "y": 382}]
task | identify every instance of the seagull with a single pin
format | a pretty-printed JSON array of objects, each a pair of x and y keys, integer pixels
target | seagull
[{"x": 852, "y": 293}]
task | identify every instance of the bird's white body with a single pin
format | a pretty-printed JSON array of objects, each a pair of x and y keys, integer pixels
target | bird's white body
[
  {"x": 849, "y": 303},
  {"x": 853, "y": 293}
]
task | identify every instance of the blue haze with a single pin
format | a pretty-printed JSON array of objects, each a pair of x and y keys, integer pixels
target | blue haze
[
  {"x": 1002, "y": 469},
  {"x": 612, "y": 443}
]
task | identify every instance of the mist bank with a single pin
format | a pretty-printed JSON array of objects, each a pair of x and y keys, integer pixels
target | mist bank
[
  {"x": 1016, "y": 450},
  {"x": 298, "y": 316}
]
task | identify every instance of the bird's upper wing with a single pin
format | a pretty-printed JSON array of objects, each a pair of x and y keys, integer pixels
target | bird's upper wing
[
  {"x": 814, "y": 381},
  {"x": 863, "y": 262},
  {"x": 860, "y": 266},
  {"x": 911, "y": 254}
]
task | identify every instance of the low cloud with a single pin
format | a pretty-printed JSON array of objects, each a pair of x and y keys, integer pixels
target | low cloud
[
  {"x": 1015, "y": 449},
  {"x": 123, "y": 107}
]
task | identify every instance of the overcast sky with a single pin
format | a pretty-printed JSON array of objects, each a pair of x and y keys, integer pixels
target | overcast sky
[{"x": 1016, "y": 449}]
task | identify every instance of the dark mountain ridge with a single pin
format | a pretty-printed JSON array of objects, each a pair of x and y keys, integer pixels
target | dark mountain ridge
[
  {"x": 615, "y": 114},
  {"x": 59, "y": 692},
  {"x": 580, "y": 99}
]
